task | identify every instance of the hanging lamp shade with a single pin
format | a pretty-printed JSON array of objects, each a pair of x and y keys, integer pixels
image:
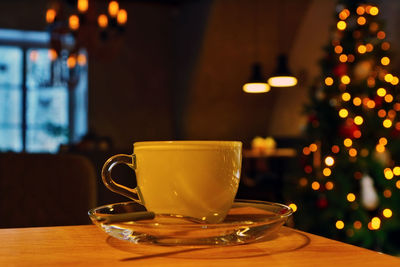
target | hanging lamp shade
[
  {"x": 256, "y": 83},
  {"x": 282, "y": 76}
]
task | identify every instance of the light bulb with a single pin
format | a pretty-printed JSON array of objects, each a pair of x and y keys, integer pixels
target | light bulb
[
  {"x": 50, "y": 15},
  {"x": 83, "y": 5},
  {"x": 256, "y": 88},
  {"x": 113, "y": 8},
  {"x": 122, "y": 17},
  {"x": 282, "y": 81},
  {"x": 102, "y": 20},
  {"x": 73, "y": 22}
]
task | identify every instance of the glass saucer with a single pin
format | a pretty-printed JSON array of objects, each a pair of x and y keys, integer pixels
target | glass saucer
[{"x": 247, "y": 221}]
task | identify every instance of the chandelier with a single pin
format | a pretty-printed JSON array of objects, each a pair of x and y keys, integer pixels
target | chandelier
[{"x": 77, "y": 24}]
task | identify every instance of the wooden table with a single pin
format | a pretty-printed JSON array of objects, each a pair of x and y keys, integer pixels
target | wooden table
[{"x": 88, "y": 246}]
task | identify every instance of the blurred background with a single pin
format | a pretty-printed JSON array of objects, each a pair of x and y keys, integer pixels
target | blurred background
[
  {"x": 177, "y": 68},
  {"x": 86, "y": 79}
]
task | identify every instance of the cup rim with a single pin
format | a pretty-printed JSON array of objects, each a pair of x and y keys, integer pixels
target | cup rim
[{"x": 187, "y": 143}]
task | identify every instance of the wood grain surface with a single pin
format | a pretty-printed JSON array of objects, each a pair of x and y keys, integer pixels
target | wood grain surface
[{"x": 89, "y": 246}]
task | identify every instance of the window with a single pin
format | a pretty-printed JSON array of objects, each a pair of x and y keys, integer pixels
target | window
[{"x": 43, "y": 103}]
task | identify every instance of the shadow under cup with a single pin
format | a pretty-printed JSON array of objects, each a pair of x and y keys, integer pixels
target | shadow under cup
[{"x": 198, "y": 179}]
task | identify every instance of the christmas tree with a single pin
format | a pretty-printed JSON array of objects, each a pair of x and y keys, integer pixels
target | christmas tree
[{"x": 349, "y": 188}]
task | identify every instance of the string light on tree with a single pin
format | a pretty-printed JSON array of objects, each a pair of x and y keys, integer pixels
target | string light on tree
[
  {"x": 362, "y": 49},
  {"x": 385, "y": 61},
  {"x": 339, "y": 224},
  {"x": 346, "y": 97},
  {"x": 343, "y": 113},
  {"x": 357, "y": 225},
  {"x": 361, "y": 20},
  {"x": 387, "y": 213},
  {"x": 327, "y": 172},
  {"x": 315, "y": 185},
  {"x": 341, "y": 25},
  {"x": 329, "y": 161},
  {"x": 351, "y": 197},
  {"x": 329, "y": 185},
  {"x": 345, "y": 79}
]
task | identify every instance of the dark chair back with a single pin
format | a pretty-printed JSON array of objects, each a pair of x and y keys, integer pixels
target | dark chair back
[{"x": 45, "y": 189}]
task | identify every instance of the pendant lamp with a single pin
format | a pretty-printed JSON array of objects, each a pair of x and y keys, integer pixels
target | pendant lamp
[
  {"x": 256, "y": 83},
  {"x": 282, "y": 77}
]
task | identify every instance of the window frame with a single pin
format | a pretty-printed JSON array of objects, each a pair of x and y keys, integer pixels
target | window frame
[{"x": 26, "y": 40}]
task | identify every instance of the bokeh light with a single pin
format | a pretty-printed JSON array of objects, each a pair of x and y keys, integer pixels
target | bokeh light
[
  {"x": 381, "y": 92},
  {"x": 357, "y": 101},
  {"x": 341, "y": 25},
  {"x": 348, "y": 142},
  {"x": 326, "y": 172},
  {"x": 387, "y": 213},
  {"x": 343, "y": 113},
  {"x": 339, "y": 224},
  {"x": 293, "y": 207},
  {"x": 361, "y": 20},
  {"x": 375, "y": 223},
  {"x": 351, "y": 197},
  {"x": 346, "y": 96},
  {"x": 329, "y": 185},
  {"x": 345, "y": 79},
  {"x": 315, "y": 185},
  {"x": 385, "y": 61},
  {"x": 358, "y": 120},
  {"x": 362, "y": 49},
  {"x": 328, "y": 81},
  {"x": 387, "y": 123},
  {"x": 352, "y": 152},
  {"x": 388, "y": 173},
  {"x": 338, "y": 49},
  {"x": 329, "y": 161}
]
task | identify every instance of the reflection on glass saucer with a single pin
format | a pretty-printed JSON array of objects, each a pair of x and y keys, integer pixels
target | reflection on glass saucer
[{"x": 247, "y": 221}]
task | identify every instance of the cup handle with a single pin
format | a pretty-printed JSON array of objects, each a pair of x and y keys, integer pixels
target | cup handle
[{"x": 129, "y": 160}]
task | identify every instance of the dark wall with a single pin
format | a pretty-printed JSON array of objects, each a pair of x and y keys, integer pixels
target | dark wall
[{"x": 130, "y": 92}]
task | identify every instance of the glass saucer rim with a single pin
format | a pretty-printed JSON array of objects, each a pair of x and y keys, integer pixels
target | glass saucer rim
[{"x": 250, "y": 203}]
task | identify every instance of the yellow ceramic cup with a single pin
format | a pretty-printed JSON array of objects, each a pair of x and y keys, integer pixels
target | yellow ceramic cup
[{"x": 190, "y": 178}]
